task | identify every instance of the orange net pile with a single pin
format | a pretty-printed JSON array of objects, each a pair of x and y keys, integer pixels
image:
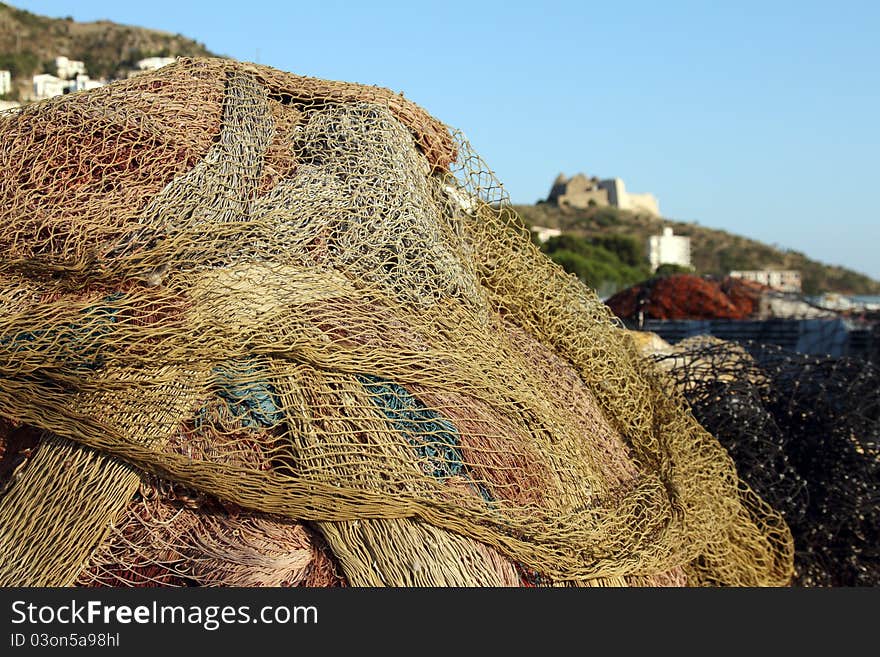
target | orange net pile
[{"x": 687, "y": 296}]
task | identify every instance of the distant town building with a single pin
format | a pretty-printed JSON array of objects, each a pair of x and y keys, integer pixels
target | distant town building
[
  {"x": 834, "y": 301},
  {"x": 68, "y": 69},
  {"x": 84, "y": 83},
  {"x": 152, "y": 63},
  {"x": 5, "y": 82},
  {"x": 838, "y": 302},
  {"x": 545, "y": 233},
  {"x": 669, "y": 249},
  {"x": 47, "y": 85},
  {"x": 71, "y": 76},
  {"x": 783, "y": 280},
  {"x": 582, "y": 192}
]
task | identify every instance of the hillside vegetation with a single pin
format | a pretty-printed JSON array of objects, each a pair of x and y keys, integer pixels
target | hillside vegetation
[
  {"x": 714, "y": 252},
  {"x": 29, "y": 44}
]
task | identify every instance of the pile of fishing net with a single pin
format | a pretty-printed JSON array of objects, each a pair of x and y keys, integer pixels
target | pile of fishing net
[
  {"x": 263, "y": 329},
  {"x": 688, "y": 296},
  {"x": 804, "y": 432}
]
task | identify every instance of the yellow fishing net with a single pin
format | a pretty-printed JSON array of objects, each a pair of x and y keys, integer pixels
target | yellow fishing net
[{"x": 263, "y": 329}]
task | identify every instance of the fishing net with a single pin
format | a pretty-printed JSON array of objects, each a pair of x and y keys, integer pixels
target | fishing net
[
  {"x": 804, "y": 433},
  {"x": 688, "y": 296},
  {"x": 262, "y": 329}
]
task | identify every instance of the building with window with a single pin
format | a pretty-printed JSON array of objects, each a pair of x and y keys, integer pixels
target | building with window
[
  {"x": 669, "y": 249},
  {"x": 47, "y": 85},
  {"x": 783, "y": 280},
  {"x": 68, "y": 69}
]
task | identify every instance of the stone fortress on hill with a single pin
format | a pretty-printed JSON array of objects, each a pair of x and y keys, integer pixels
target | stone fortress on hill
[{"x": 582, "y": 192}]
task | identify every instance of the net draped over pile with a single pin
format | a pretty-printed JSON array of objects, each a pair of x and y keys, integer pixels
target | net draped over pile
[{"x": 263, "y": 329}]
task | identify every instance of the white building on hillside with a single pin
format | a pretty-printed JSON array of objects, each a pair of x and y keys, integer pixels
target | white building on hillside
[
  {"x": 84, "y": 83},
  {"x": 152, "y": 63},
  {"x": 783, "y": 280},
  {"x": 669, "y": 249},
  {"x": 67, "y": 69},
  {"x": 47, "y": 86},
  {"x": 545, "y": 233},
  {"x": 5, "y": 82}
]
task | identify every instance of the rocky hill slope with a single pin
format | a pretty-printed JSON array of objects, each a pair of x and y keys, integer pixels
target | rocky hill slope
[
  {"x": 713, "y": 251},
  {"x": 29, "y": 44}
]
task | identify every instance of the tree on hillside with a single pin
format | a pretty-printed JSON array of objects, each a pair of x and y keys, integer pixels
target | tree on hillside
[
  {"x": 598, "y": 267},
  {"x": 670, "y": 269}
]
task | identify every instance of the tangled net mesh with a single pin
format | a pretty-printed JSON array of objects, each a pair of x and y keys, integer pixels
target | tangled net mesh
[
  {"x": 804, "y": 432},
  {"x": 263, "y": 329}
]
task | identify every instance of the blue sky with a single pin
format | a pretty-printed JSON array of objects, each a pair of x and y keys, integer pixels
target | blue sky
[{"x": 759, "y": 118}]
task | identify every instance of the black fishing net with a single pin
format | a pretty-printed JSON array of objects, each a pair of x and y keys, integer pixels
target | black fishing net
[{"x": 803, "y": 431}]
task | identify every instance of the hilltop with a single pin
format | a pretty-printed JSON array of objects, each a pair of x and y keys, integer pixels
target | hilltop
[
  {"x": 713, "y": 252},
  {"x": 29, "y": 44}
]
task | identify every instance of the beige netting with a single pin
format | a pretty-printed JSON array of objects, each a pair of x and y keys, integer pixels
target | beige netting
[{"x": 274, "y": 330}]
